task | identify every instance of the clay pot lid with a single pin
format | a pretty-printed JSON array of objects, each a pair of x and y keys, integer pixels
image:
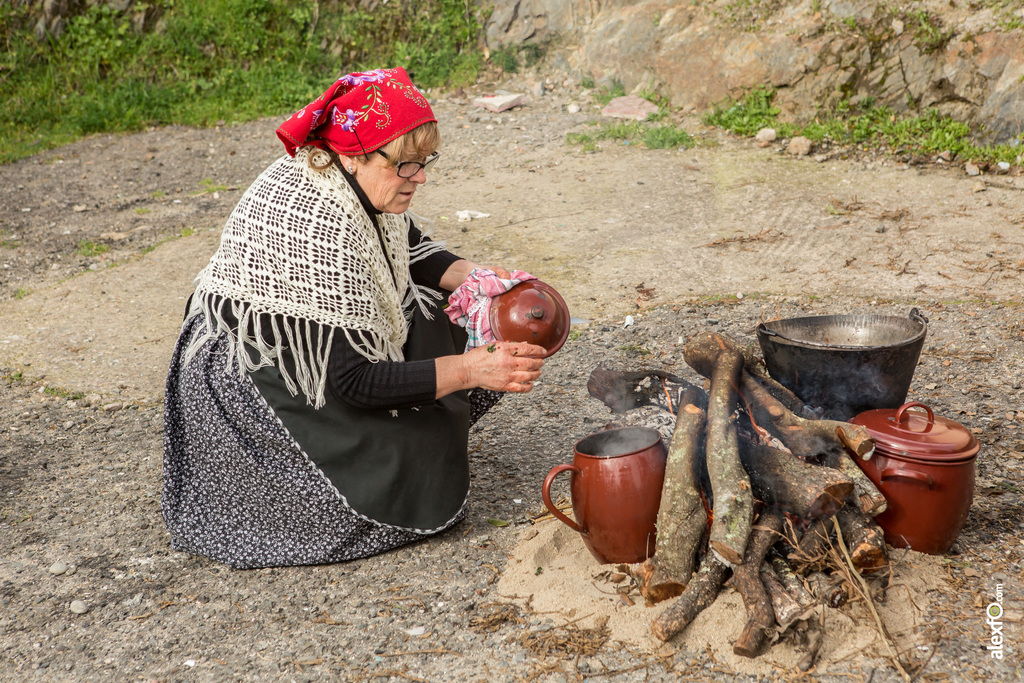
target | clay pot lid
[
  {"x": 533, "y": 312},
  {"x": 918, "y": 435}
]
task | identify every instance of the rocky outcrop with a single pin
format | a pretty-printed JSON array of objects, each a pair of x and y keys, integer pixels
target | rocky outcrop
[{"x": 963, "y": 62}]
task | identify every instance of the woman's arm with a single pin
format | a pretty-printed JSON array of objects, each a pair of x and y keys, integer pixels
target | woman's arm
[
  {"x": 356, "y": 382},
  {"x": 459, "y": 270}
]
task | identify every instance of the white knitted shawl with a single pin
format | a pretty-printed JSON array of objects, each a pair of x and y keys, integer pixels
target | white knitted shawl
[{"x": 300, "y": 245}]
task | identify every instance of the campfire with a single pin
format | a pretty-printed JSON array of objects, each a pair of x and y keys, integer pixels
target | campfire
[{"x": 759, "y": 495}]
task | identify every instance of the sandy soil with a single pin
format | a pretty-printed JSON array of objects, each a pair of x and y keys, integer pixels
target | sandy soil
[{"x": 717, "y": 236}]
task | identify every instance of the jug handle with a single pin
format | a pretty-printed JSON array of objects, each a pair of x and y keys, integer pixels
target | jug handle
[
  {"x": 894, "y": 473},
  {"x": 545, "y": 493}
]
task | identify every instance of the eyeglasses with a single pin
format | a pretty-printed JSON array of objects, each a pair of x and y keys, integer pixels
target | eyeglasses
[{"x": 407, "y": 169}]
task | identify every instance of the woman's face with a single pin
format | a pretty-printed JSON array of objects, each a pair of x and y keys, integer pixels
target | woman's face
[{"x": 385, "y": 190}]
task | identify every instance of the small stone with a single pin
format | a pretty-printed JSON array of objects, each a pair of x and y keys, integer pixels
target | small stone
[
  {"x": 69, "y": 424},
  {"x": 972, "y": 169},
  {"x": 946, "y": 156},
  {"x": 78, "y": 208},
  {"x": 58, "y": 568},
  {"x": 113, "y": 407},
  {"x": 629, "y": 107},
  {"x": 799, "y": 146},
  {"x": 93, "y": 400},
  {"x": 573, "y": 109},
  {"x": 766, "y": 135},
  {"x": 499, "y": 103},
  {"x": 79, "y": 607},
  {"x": 538, "y": 89},
  {"x": 979, "y": 186},
  {"x": 1004, "y": 166}
]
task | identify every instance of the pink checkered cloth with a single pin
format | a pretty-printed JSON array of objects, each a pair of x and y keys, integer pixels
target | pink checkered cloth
[{"x": 470, "y": 305}]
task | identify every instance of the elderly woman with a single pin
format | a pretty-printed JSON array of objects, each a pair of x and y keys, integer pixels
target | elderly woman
[{"x": 319, "y": 401}]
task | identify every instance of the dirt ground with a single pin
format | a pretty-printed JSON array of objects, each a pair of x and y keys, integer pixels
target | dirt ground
[{"x": 718, "y": 236}]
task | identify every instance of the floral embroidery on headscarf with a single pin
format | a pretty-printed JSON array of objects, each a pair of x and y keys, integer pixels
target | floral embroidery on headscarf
[{"x": 387, "y": 97}]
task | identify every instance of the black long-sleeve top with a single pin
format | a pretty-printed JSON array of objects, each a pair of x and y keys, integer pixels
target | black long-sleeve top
[
  {"x": 360, "y": 383},
  {"x": 353, "y": 379}
]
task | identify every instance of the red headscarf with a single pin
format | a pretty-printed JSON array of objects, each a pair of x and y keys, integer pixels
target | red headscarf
[{"x": 361, "y": 112}]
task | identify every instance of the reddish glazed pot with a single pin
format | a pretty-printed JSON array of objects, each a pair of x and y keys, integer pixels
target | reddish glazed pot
[
  {"x": 615, "y": 487},
  {"x": 924, "y": 466}
]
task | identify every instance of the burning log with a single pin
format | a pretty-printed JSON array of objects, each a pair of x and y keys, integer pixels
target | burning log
[
  {"x": 624, "y": 390},
  {"x": 681, "y": 516},
  {"x": 804, "y": 437},
  {"x": 747, "y": 580},
  {"x": 733, "y": 504},
  {"x": 864, "y": 539},
  {"x": 808, "y": 491},
  {"x": 700, "y": 592},
  {"x": 866, "y": 495},
  {"x": 756, "y": 368}
]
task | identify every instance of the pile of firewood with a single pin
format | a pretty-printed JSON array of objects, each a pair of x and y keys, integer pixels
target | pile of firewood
[{"x": 758, "y": 496}]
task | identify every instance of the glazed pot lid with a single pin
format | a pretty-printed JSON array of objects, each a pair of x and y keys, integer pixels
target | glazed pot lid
[
  {"x": 533, "y": 312},
  {"x": 913, "y": 430}
]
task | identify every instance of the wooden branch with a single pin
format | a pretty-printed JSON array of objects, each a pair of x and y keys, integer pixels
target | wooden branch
[
  {"x": 681, "y": 515},
  {"x": 811, "y": 552},
  {"x": 747, "y": 580},
  {"x": 787, "y": 610},
  {"x": 733, "y": 502},
  {"x": 753, "y": 365},
  {"x": 866, "y": 495},
  {"x": 791, "y": 582},
  {"x": 803, "y": 437},
  {"x": 808, "y": 491},
  {"x": 864, "y": 539},
  {"x": 700, "y": 592}
]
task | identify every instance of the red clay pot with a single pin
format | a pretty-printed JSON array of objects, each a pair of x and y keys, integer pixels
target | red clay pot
[
  {"x": 924, "y": 466},
  {"x": 616, "y": 483}
]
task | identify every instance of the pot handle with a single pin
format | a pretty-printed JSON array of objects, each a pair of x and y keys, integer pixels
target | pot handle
[
  {"x": 901, "y": 411},
  {"x": 545, "y": 492},
  {"x": 894, "y": 473}
]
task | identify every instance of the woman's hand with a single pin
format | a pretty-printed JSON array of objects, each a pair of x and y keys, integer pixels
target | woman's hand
[
  {"x": 499, "y": 366},
  {"x": 505, "y": 366},
  {"x": 459, "y": 270}
]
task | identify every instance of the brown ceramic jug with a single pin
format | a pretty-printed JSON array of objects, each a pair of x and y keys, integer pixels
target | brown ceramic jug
[{"x": 615, "y": 487}]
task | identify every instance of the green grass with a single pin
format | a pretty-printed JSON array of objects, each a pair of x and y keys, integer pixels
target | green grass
[
  {"x": 21, "y": 292},
  {"x": 633, "y": 132},
  {"x": 234, "y": 60},
  {"x": 207, "y": 186},
  {"x": 61, "y": 392},
  {"x": 90, "y": 248},
  {"x": 865, "y": 124}
]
